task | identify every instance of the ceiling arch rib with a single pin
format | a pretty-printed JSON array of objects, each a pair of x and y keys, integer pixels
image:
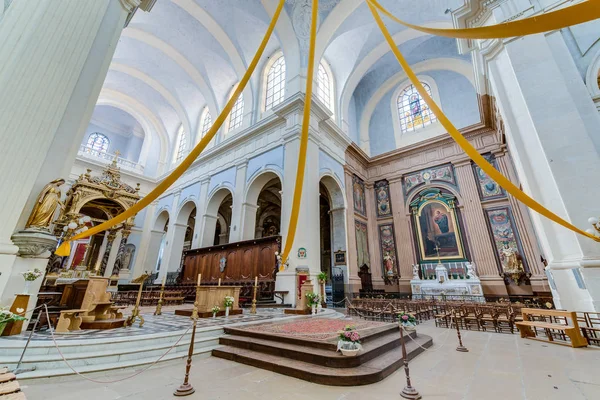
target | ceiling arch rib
[
  {"x": 164, "y": 92},
  {"x": 334, "y": 20},
  {"x": 451, "y": 64},
  {"x": 193, "y": 9},
  {"x": 180, "y": 59},
  {"x": 371, "y": 58},
  {"x": 139, "y": 110}
]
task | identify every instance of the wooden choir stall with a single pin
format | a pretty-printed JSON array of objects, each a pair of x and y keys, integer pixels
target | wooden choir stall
[{"x": 231, "y": 270}]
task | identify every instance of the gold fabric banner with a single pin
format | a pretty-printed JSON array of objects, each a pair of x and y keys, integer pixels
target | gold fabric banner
[
  {"x": 464, "y": 143},
  {"x": 292, "y": 226},
  {"x": 573, "y": 15},
  {"x": 65, "y": 248}
]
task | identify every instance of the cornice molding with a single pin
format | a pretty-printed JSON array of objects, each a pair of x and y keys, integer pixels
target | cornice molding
[{"x": 130, "y": 5}]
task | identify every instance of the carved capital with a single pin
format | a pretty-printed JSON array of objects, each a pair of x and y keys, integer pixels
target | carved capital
[{"x": 129, "y": 5}]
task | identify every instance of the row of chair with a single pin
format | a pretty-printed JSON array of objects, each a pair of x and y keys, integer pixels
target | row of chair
[{"x": 149, "y": 298}]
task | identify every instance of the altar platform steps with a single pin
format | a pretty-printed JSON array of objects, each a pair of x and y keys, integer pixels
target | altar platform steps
[
  {"x": 93, "y": 355},
  {"x": 317, "y": 361}
]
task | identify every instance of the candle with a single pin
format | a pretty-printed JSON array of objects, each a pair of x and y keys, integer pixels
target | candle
[
  {"x": 256, "y": 281},
  {"x": 164, "y": 280},
  {"x": 199, "y": 279},
  {"x": 219, "y": 281}
]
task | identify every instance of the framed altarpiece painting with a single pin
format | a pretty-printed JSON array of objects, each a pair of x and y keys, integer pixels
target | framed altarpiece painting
[{"x": 436, "y": 226}]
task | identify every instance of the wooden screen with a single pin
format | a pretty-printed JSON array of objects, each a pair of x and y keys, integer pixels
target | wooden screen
[{"x": 244, "y": 261}]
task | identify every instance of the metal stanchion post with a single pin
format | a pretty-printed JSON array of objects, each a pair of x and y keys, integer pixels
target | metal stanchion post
[
  {"x": 408, "y": 392},
  {"x": 253, "y": 309},
  {"x": 158, "y": 310},
  {"x": 186, "y": 389},
  {"x": 460, "y": 347}
]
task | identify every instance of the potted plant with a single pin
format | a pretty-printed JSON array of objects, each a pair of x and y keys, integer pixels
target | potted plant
[
  {"x": 313, "y": 300},
  {"x": 407, "y": 320},
  {"x": 29, "y": 277},
  {"x": 7, "y": 316},
  {"x": 228, "y": 302},
  {"x": 322, "y": 277},
  {"x": 215, "y": 310},
  {"x": 349, "y": 341}
]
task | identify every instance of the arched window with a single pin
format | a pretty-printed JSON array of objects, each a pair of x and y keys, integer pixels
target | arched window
[
  {"x": 181, "y": 145},
  {"x": 275, "y": 83},
  {"x": 413, "y": 112},
  {"x": 324, "y": 86},
  {"x": 205, "y": 122},
  {"x": 98, "y": 142},
  {"x": 237, "y": 113}
]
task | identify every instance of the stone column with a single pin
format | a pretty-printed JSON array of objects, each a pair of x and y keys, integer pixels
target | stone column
[
  {"x": 173, "y": 249},
  {"x": 54, "y": 58},
  {"x": 483, "y": 252},
  {"x": 250, "y": 230},
  {"x": 143, "y": 261},
  {"x": 110, "y": 238},
  {"x": 404, "y": 237},
  {"x": 235, "y": 234},
  {"x": 101, "y": 253},
  {"x": 119, "y": 269},
  {"x": 551, "y": 128},
  {"x": 354, "y": 282},
  {"x": 112, "y": 255}
]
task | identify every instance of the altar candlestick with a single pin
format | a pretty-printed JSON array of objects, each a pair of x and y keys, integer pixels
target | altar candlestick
[
  {"x": 219, "y": 281},
  {"x": 256, "y": 281},
  {"x": 164, "y": 280},
  {"x": 199, "y": 279}
]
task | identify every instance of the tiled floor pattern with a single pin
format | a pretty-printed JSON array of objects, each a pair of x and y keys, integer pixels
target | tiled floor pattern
[
  {"x": 167, "y": 322},
  {"x": 496, "y": 367}
]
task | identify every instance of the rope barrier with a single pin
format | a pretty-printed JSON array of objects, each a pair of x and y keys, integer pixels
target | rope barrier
[
  {"x": 65, "y": 248},
  {"x": 115, "y": 380},
  {"x": 466, "y": 146}
]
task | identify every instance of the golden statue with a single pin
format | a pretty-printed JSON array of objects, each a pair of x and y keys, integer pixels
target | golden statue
[
  {"x": 45, "y": 205},
  {"x": 511, "y": 259}
]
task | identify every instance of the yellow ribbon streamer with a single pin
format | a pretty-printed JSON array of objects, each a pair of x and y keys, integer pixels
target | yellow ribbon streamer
[
  {"x": 573, "y": 15},
  {"x": 65, "y": 248},
  {"x": 464, "y": 143},
  {"x": 291, "y": 233}
]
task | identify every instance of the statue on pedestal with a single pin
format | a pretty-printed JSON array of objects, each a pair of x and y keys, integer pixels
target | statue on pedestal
[
  {"x": 416, "y": 271},
  {"x": 45, "y": 206},
  {"x": 512, "y": 263},
  {"x": 472, "y": 271}
]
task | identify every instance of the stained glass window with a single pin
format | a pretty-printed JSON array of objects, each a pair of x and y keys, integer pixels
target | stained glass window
[
  {"x": 181, "y": 145},
  {"x": 412, "y": 110},
  {"x": 275, "y": 88},
  {"x": 206, "y": 122},
  {"x": 237, "y": 113},
  {"x": 98, "y": 142},
  {"x": 324, "y": 86}
]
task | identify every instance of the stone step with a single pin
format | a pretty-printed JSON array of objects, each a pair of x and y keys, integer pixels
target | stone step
[
  {"x": 372, "y": 371},
  {"x": 201, "y": 352},
  {"x": 55, "y": 361},
  {"x": 311, "y": 354}
]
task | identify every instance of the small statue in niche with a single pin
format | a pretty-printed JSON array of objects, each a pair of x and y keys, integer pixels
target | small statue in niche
[
  {"x": 511, "y": 260},
  {"x": 45, "y": 206},
  {"x": 416, "y": 271},
  {"x": 471, "y": 270}
]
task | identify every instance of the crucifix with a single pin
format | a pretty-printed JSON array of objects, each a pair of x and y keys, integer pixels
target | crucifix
[{"x": 437, "y": 250}]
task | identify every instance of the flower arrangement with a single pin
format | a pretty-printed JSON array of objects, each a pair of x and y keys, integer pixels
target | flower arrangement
[
  {"x": 406, "y": 319},
  {"x": 31, "y": 276},
  {"x": 216, "y": 309},
  {"x": 349, "y": 334},
  {"x": 313, "y": 299},
  {"x": 7, "y": 316},
  {"x": 228, "y": 302},
  {"x": 322, "y": 277}
]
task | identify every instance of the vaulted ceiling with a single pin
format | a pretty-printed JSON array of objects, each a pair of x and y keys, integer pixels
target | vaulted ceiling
[{"x": 186, "y": 55}]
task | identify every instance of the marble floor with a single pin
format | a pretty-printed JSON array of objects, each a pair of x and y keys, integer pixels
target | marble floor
[{"x": 496, "y": 367}]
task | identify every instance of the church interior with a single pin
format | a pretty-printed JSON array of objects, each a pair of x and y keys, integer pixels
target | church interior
[{"x": 327, "y": 199}]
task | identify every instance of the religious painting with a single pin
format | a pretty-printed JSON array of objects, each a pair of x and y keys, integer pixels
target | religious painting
[
  {"x": 437, "y": 230},
  {"x": 382, "y": 199},
  {"x": 358, "y": 194},
  {"x": 505, "y": 239},
  {"x": 488, "y": 188},
  {"x": 362, "y": 243},
  {"x": 443, "y": 173},
  {"x": 388, "y": 251},
  {"x": 339, "y": 257}
]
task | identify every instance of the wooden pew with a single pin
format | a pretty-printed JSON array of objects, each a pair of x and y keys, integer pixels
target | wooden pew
[{"x": 572, "y": 331}]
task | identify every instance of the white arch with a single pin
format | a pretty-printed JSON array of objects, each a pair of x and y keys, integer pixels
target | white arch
[
  {"x": 193, "y": 9},
  {"x": 160, "y": 221},
  {"x": 258, "y": 182},
  {"x": 186, "y": 208},
  {"x": 370, "y": 59},
  {"x": 164, "y": 92},
  {"x": 290, "y": 47},
  {"x": 334, "y": 187},
  {"x": 461, "y": 67},
  {"x": 591, "y": 77},
  {"x": 150, "y": 123},
  {"x": 216, "y": 197},
  {"x": 179, "y": 59},
  {"x": 334, "y": 20}
]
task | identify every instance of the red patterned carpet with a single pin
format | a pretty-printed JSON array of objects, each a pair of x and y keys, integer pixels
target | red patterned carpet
[{"x": 313, "y": 328}]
